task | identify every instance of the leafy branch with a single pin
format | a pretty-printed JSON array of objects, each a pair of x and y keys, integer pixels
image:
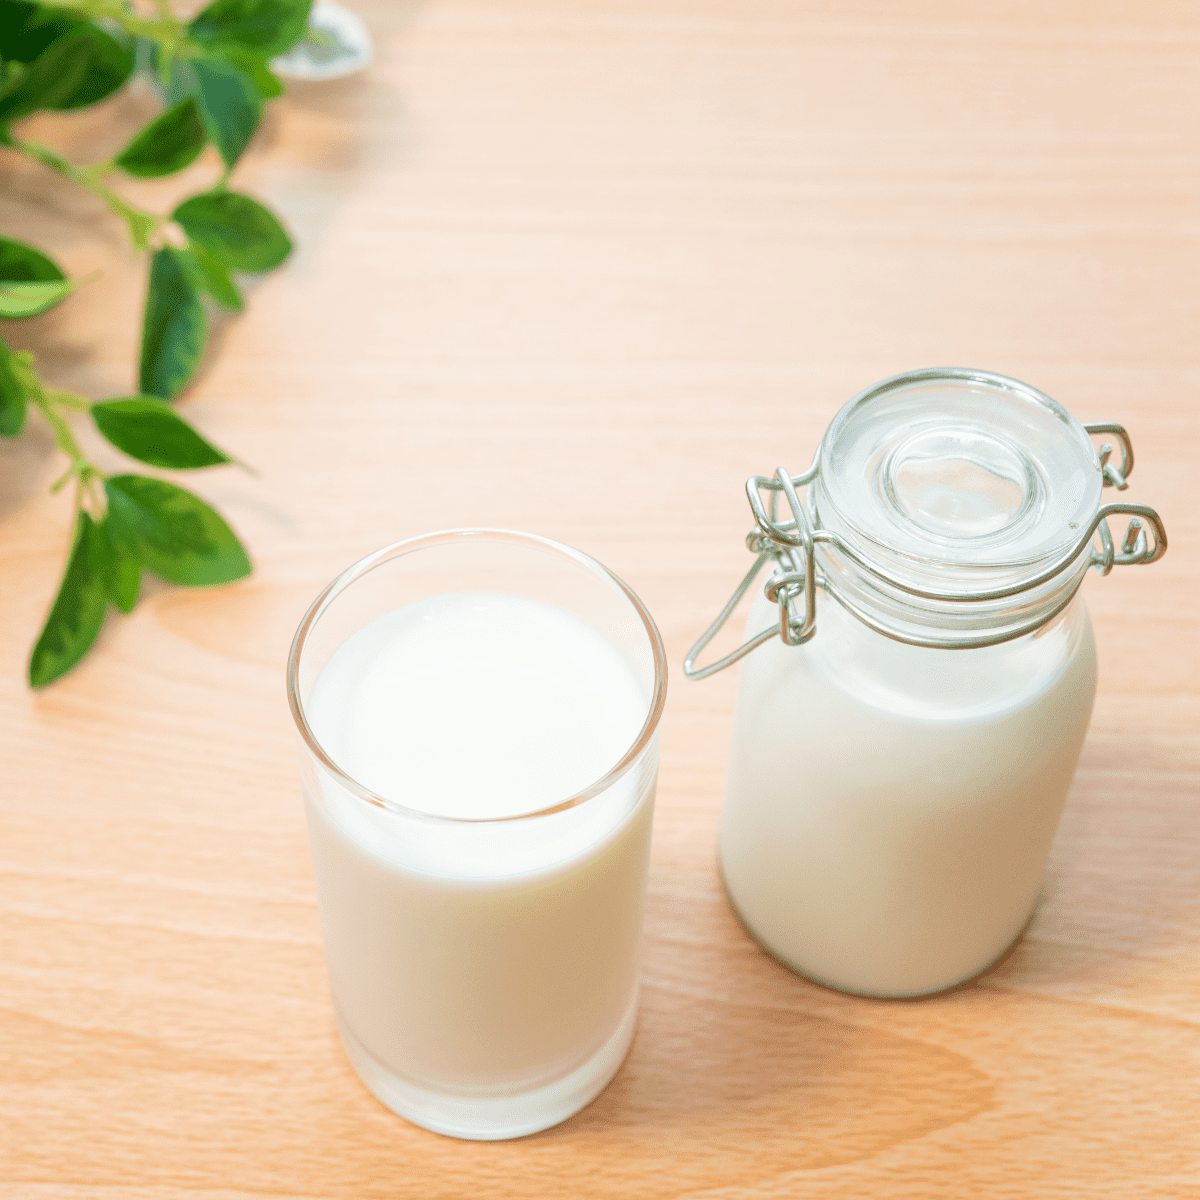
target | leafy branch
[{"x": 213, "y": 76}]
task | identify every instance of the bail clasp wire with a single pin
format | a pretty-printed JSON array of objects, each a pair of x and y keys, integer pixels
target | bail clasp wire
[{"x": 789, "y": 547}]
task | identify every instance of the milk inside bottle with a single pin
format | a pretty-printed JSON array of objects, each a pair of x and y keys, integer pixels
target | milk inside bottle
[{"x": 917, "y": 678}]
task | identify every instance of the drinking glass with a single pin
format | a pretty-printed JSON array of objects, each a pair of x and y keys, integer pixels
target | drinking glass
[{"x": 482, "y": 959}]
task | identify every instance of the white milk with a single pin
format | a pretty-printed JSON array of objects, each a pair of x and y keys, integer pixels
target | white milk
[
  {"x": 474, "y": 962},
  {"x": 889, "y": 807}
]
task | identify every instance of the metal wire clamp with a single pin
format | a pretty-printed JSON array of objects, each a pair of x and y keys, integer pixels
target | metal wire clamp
[{"x": 789, "y": 546}]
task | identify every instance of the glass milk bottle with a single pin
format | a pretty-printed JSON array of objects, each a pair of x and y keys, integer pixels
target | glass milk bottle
[{"x": 904, "y": 744}]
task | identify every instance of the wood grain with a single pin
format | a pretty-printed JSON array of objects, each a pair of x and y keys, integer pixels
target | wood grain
[{"x": 581, "y": 268}]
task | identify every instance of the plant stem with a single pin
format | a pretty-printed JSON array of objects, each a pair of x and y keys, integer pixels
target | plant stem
[
  {"x": 50, "y": 403},
  {"x": 64, "y": 439},
  {"x": 70, "y": 400},
  {"x": 142, "y": 225},
  {"x": 167, "y": 29}
]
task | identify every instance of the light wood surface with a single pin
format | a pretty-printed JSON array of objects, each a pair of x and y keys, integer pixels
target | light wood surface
[{"x": 581, "y": 268}]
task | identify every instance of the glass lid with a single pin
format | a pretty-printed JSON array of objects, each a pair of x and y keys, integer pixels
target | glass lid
[{"x": 960, "y": 468}]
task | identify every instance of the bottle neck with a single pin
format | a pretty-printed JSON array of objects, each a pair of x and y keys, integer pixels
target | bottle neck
[{"x": 904, "y": 614}]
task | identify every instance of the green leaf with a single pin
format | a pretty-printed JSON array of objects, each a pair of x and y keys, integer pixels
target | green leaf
[
  {"x": 30, "y": 282},
  {"x": 18, "y": 300},
  {"x": 122, "y": 565},
  {"x": 172, "y": 78},
  {"x": 12, "y": 396},
  {"x": 57, "y": 73},
  {"x": 20, "y": 263},
  {"x": 26, "y": 29},
  {"x": 210, "y": 275},
  {"x": 78, "y": 610},
  {"x": 180, "y": 537},
  {"x": 180, "y": 80},
  {"x": 268, "y": 27},
  {"x": 229, "y": 104},
  {"x": 80, "y": 68},
  {"x": 110, "y": 64},
  {"x": 147, "y": 429},
  {"x": 269, "y": 84},
  {"x": 239, "y": 231},
  {"x": 166, "y": 145},
  {"x": 174, "y": 329}
]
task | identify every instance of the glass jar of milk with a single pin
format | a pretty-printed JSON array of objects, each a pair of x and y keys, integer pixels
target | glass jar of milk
[
  {"x": 478, "y": 714},
  {"x": 904, "y": 744}
]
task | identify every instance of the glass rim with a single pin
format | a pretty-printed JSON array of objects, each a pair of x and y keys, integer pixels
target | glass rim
[
  {"x": 442, "y": 537},
  {"x": 988, "y": 379}
]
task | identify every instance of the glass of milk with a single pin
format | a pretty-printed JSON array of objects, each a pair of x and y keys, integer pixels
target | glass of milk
[
  {"x": 478, "y": 714},
  {"x": 918, "y": 677}
]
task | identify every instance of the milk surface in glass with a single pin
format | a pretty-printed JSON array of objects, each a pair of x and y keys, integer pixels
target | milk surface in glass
[{"x": 484, "y": 971}]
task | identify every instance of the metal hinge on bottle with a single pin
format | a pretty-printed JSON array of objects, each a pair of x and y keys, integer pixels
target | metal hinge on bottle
[{"x": 788, "y": 548}]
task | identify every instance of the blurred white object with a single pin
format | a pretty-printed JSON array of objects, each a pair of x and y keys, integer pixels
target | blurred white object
[{"x": 337, "y": 43}]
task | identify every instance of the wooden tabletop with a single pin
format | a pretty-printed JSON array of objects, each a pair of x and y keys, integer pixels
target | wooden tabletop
[{"x": 580, "y": 269}]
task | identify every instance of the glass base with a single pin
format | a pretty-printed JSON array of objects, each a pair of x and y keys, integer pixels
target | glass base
[{"x": 493, "y": 1118}]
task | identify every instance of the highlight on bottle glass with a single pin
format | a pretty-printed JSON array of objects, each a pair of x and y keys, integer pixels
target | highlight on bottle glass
[{"x": 478, "y": 713}]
